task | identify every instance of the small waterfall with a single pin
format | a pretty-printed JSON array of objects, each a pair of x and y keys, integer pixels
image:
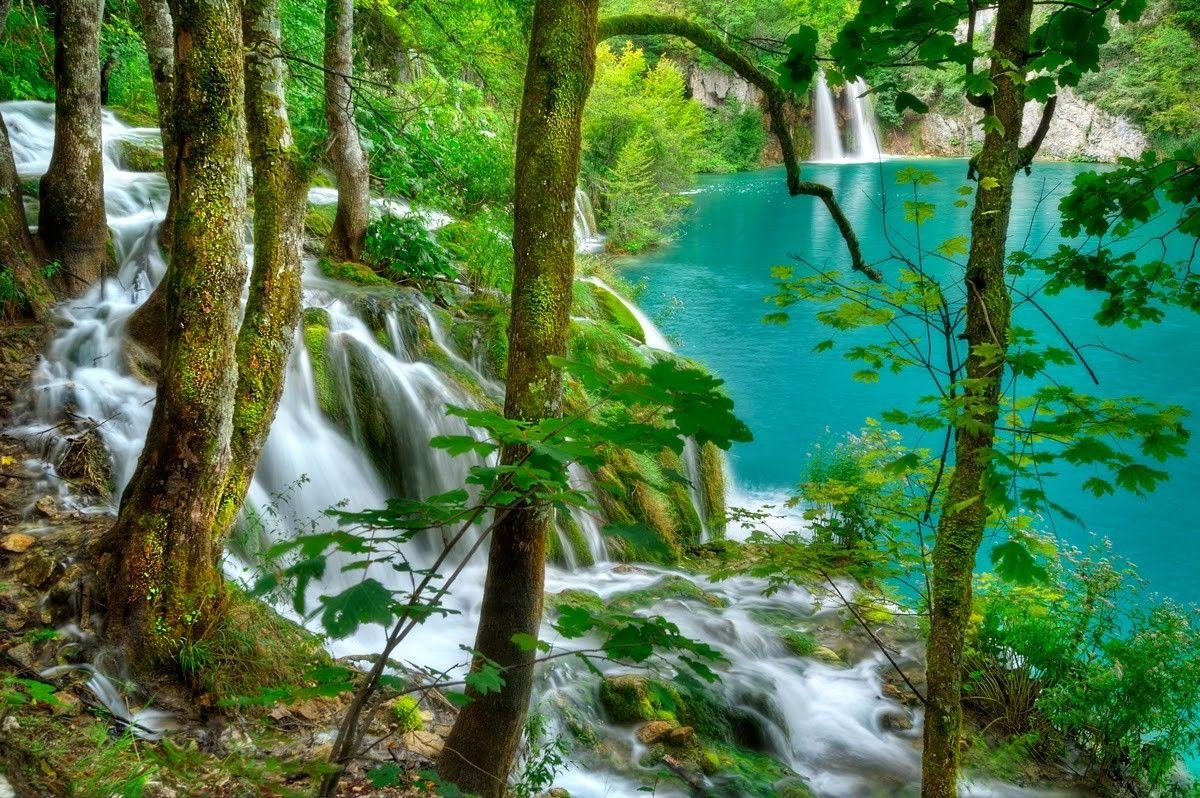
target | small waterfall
[
  {"x": 827, "y": 139},
  {"x": 864, "y": 135},
  {"x": 587, "y": 236}
]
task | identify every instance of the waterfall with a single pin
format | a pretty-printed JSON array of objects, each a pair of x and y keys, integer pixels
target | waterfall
[
  {"x": 831, "y": 722},
  {"x": 827, "y": 139},
  {"x": 864, "y": 136},
  {"x": 587, "y": 236}
]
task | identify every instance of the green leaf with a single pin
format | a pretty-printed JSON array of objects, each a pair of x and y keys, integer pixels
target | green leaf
[
  {"x": 1014, "y": 563},
  {"x": 486, "y": 679},
  {"x": 910, "y": 102},
  {"x": 952, "y": 247},
  {"x": 366, "y": 602}
]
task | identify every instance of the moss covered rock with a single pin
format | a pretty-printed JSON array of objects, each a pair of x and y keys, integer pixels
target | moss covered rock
[
  {"x": 139, "y": 155},
  {"x": 634, "y": 698}
]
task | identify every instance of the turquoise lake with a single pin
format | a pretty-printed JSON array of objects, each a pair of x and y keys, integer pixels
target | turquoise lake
[{"x": 706, "y": 291}]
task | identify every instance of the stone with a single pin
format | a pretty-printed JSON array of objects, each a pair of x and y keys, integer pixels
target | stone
[
  {"x": 23, "y": 654},
  {"x": 67, "y": 704},
  {"x": 17, "y": 542},
  {"x": 827, "y": 655},
  {"x": 47, "y": 507},
  {"x": 896, "y": 721},
  {"x": 652, "y": 732},
  {"x": 423, "y": 743},
  {"x": 681, "y": 736},
  {"x": 10, "y": 725}
]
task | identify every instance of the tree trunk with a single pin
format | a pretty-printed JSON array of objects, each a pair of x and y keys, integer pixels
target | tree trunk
[
  {"x": 480, "y": 749},
  {"x": 71, "y": 221},
  {"x": 163, "y": 576},
  {"x": 273, "y": 305},
  {"x": 18, "y": 249},
  {"x": 964, "y": 515},
  {"x": 344, "y": 148},
  {"x": 158, "y": 34}
]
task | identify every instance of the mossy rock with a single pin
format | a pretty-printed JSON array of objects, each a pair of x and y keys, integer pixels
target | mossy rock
[
  {"x": 578, "y": 598},
  {"x": 670, "y": 587},
  {"x": 318, "y": 221},
  {"x": 314, "y": 323},
  {"x": 140, "y": 155},
  {"x": 799, "y": 643},
  {"x": 350, "y": 272},
  {"x": 712, "y": 487},
  {"x": 634, "y": 698},
  {"x": 613, "y": 310}
]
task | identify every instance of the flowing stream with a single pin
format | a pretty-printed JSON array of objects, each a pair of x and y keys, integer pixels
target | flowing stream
[
  {"x": 862, "y": 136},
  {"x": 829, "y": 721}
]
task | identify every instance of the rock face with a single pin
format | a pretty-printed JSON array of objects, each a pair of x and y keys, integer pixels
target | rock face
[
  {"x": 713, "y": 88},
  {"x": 1079, "y": 131}
]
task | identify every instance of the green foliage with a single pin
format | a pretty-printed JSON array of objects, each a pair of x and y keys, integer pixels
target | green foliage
[
  {"x": 27, "y": 54},
  {"x": 483, "y": 247},
  {"x": 406, "y": 712},
  {"x": 734, "y": 136},
  {"x": 642, "y": 138},
  {"x": 403, "y": 248},
  {"x": 543, "y": 756},
  {"x": 1111, "y": 667}
]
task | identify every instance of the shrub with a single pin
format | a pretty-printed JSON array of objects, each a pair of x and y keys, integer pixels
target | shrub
[{"x": 402, "y": 248}]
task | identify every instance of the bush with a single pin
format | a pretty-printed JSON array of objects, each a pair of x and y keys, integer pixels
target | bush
[
  {"x": 1118, "y": 671},
  {"x": 402, "y": 248}
]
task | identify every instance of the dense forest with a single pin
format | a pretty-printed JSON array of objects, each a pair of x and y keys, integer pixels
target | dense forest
[{"x": 582, "y": 398}]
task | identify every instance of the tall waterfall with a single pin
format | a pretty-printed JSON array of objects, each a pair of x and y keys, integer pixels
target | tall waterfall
[
  {"x": 863, "y": 133},
  {"x": 827, "y": 139},
  {"x": 864, "y": 136},
  {"x": 829, "y": 720}
]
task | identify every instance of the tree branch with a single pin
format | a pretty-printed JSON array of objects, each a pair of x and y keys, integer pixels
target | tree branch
[
  {"x": 1030, "y": 150},
  {"x": 776, "y": 100}
]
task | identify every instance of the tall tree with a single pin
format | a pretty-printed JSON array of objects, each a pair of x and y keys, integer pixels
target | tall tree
[
  {"x": 163, "y": 575},
  {"x": 71, "y": 219},
  {"x": 558, "y": 76},
  {"x": 19, "y": 251},
  {"x": 158, "y": 34},
  {"x": 344, "y": 148},
  {"x": 273, "y": 304},
  {"x": 989, "y": 305}
]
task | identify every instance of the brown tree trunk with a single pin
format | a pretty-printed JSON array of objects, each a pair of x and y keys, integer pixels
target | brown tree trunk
[
  {"x": 163, "y": 575},
  {"x": 965, "y": 510},
  {"x": 71, "y": 220},
  {"x": 480, "y": 749},
  {"x": 344, "y": 148},
  {"x": 158, "y": 34},
  {"x": 19, "y": 251},
  {"x": 273, "y": 306}
]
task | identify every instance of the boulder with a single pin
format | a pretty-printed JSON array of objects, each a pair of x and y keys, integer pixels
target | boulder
[
  {"x": 17, "y": 542},
  {"x": 654, "y": 731}
]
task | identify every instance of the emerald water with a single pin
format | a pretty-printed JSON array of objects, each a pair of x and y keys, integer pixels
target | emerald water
[{"x": 706, "y": 291}]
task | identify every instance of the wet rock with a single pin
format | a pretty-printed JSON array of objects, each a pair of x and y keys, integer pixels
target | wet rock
[
  {"x": 67, "y": 704},
  {"x": 897, "y": 721},
  {"x": 827, "y": 655},
  {"x": 24, "y": 655},
  {"x": 47, "y": 507},
  {"x": 653, "y": 731},
  {"x": 682, "y": 736},
  {"x": 85, "y": 461},
  {"x": 17, "y": 542},
  {"x": 631, "y": 697}
]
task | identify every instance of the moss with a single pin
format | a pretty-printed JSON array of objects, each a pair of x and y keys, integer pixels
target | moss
[
  {"x": 801, "y": 644},
  {"x": 350, "y": 272},
  {"x": 633, "y": 698},
  {"x": 574, "y": 537},
  {"x": 670, "y": 587},
  {"x": 712, "y": 488},
  {"x": 614, "y": 311},
  {"x": 315, "y": 325},
  {"x": 406, "y": 713},
  {"x": 318, "y": 221},
  {"x": 578, "y": 598},
  {"x": 140, "y": 156}
]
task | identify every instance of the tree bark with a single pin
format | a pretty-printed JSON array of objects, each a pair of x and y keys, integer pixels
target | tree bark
[
  {"x": 19, "y": 251},
  {"x": 158, "y": 34},
  {"x": 273, "y": 305},
  {"x": 965, "y": 511},
  {"x": 480, "y": 749},
  {"x": 163, "y": 574},
  {"x": 71, "y": 220},
  {"x": 344, "y": 148}
]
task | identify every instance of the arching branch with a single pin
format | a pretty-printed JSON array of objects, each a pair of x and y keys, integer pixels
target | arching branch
[
  {"x": 1030, "y": 150},
  {"x": 776, "y": 100}
]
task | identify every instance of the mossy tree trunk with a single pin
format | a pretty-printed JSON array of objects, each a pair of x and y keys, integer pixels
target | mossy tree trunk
[
  {"x": 71, "y": 219},
  {"x": 19, "y": 252},
  {"x": 344, "y": 148},
  {"x": 480, "y": 749},
  {"x": 273, "y": 305},
  {"x": 163, "y": 574},
  {"x": 158, "y": 34},
  {"x": 965, "y": 511}
]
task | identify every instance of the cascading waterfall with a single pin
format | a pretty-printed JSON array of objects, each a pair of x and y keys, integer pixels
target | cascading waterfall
[
  {"x": 587, "y": 235},
  {"x": 864, "y": 137},
  {"x": 830, "y": 722},
  {"x": 827, "y": 139},
  {"x": 863, "y": 131}
]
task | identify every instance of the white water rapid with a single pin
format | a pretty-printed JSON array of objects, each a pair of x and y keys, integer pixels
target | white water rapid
[
  {"x": 827, "y": 138},
  {"x": 864, "y": 135},
  {"x": 829, "y": 720}
]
